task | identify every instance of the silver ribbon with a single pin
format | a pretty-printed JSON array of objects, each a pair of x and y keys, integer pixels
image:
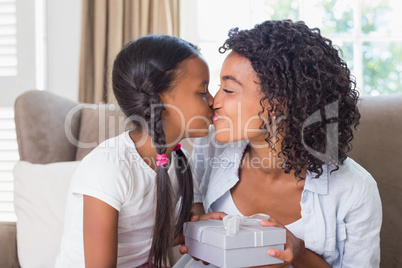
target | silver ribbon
[{"x": 233, "y": 223}]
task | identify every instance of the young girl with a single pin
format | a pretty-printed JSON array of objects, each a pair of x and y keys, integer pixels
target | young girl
[
  {"x": 283, "y": 122},
  {"x": 122, "y": 198}
]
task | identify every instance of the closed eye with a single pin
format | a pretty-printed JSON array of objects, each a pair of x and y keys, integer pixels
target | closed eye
[{"x": 227, "y": 91}]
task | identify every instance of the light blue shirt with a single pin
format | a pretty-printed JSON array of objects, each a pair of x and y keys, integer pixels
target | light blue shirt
[{"x": 341, "y": 210}]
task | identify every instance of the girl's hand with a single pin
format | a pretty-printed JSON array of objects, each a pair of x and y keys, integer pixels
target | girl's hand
[
  {"x": 212, "y": 215},
  {"x": 208, "y": 216},
  {"x": 293, "y": 247}
]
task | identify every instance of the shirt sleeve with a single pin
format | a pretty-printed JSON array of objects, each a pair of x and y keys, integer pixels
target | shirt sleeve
[
  {"x": 103, "y": 176},
  {"x": 198, "y": 163},
  {"x": 363, "y": 224}
]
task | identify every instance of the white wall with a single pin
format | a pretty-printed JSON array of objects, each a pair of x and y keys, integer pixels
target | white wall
[{"x": 63, "y": 30}]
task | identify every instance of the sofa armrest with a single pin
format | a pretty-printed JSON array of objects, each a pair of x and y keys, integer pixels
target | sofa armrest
[
  {"x": 40, "y": 118},
  {"x": 8, "y": 245}
]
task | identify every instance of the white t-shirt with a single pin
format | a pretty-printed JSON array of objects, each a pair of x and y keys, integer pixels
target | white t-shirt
[{"x": 115, "y": 173}]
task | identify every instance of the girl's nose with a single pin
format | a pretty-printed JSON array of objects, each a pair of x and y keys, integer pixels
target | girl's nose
[{"x": 210, "y": 99}]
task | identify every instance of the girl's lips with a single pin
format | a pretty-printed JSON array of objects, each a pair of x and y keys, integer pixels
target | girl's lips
[{"x": 215, "y": 118}]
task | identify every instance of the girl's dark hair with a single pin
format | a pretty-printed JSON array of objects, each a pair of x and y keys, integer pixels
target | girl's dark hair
[
  {"x": 143, "y": 70},
  {"x": 303, "y": 80}
]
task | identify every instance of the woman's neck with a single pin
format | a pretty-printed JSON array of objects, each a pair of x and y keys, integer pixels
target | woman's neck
[{"x": 265, "y": 160}]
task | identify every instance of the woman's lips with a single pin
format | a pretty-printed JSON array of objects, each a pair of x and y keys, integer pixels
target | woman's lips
[{"x": 215, "y": 118}]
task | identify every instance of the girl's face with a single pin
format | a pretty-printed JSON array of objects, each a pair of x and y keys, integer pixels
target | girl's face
[
  {"x": 188, "y": 106},
  {"x": 237, "y": 103}
]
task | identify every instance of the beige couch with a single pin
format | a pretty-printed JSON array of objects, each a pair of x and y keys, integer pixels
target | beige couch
[{"x": 40, "y": 118}]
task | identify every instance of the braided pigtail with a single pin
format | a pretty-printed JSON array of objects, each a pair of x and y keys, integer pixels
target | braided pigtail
[
  {"x": 185, "y": 178},
  {"x": 164, "y": 216}
]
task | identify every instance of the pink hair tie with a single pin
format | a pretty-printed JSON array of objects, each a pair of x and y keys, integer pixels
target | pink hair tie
[
  {"x": 177, "y": 147},
  {"x": 161, "y": 159}
]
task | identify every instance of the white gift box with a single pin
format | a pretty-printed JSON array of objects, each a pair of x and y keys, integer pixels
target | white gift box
[{"x": 210, "y": 241}]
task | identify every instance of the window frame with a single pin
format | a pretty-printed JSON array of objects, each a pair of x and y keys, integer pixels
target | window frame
[
  {"x": 30, "y": 52},
  {"x": 189, "y": 24}
]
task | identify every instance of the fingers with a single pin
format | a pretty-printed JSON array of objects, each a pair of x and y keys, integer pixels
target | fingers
[
  {"x": 213, "y": 215},
  {"x": 285, "y": 255},
  {"x": 183, "y": 249},
  {"x": 272, "y": 222},
  {"x": 208, "y": 216},
  {"x": 179, "y": 239},
  {"x": 267, "y": 223},
  {"x": 194, "y": 218}
]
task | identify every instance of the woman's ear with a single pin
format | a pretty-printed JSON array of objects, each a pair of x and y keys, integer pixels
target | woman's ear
[{"x": 276, "y": 107}]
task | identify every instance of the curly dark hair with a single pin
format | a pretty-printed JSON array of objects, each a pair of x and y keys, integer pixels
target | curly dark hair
[{"x": 311, "y": 93}]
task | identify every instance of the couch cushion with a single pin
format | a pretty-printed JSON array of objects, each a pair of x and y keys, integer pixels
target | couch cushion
[
  {"x": 377, "y": 146},
  {"x": 40, "y": 193},
  {"x": 8, "y": 245}
]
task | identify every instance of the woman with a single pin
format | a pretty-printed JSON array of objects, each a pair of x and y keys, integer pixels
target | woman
[{"x": 283, "y": 121}]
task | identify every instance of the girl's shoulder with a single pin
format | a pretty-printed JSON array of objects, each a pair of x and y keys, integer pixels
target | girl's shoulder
[{"x": 114, "y": 154}]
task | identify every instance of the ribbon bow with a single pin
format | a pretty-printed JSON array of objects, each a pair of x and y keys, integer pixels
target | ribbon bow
[{"x": 232, "y": 223}]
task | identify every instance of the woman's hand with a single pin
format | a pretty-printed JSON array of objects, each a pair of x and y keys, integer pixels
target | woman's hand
[
  {"x": 293, "y": 247},
  {"x": 295, "y": 253}
]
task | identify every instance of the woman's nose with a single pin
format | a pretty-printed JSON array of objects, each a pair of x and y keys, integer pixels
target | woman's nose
[{"x": 217, "y": 100}]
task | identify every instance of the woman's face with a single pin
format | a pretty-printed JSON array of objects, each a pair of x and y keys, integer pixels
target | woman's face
[
  {"x": 237, "y": 103},
  {"x": 188, "y": 106}
]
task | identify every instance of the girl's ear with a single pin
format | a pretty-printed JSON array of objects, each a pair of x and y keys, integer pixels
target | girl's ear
[{"x": 167, "y": 97}]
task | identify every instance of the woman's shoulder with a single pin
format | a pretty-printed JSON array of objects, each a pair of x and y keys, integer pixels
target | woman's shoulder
[
  {"x": 351, "y": 173},
  {"x": 350, "y": 180},
  {"x": 351, "y": 183}
]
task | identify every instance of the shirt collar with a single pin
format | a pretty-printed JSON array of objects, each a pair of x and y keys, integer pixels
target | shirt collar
[
  {"x": 234, "y": 152},
  {"x": 317, "y": 185}
]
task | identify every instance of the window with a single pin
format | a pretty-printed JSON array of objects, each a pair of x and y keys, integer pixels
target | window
[
  {"x": 21, "y": 69},
  {"x": 8, "y": 158},
  {"x": 367, "y": 31},
  {"x": 8, "y": 72},
  {"x": 8, "y": 38},
  {"x": 21, "y": 48}
]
